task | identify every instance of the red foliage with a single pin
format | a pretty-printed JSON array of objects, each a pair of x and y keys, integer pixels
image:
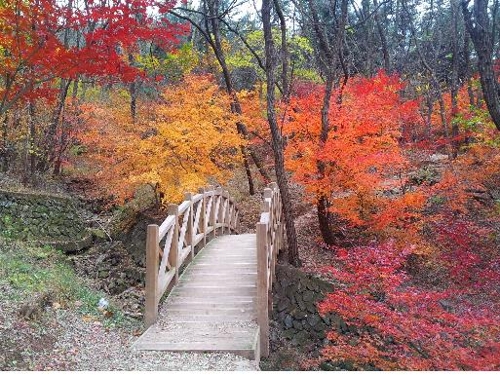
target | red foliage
[
  {"x": 34, "y": 52},
  {"x": 396, "y": 325},
  {"x": 362, "y": 152}
]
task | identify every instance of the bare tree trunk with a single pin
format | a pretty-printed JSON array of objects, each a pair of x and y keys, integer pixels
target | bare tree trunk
[
  {"x": 330, "y": 55},
  {"x": 454, "y": 78},
  {"x": 468, "y": 74},
  {"x": 383, "y": 40},
  {"x": 5, "y": 141},
  {"x": 480, "y": 32},
  {"x": 32, "y": 137},
  {"x": 277, "y": 138}
]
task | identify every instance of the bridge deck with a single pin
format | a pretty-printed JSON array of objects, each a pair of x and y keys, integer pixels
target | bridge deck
[{"x": 212, "y": 308}]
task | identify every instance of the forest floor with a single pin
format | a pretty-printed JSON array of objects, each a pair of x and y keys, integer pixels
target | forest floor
[
  {"x": 82, "y": 311},
  {"x": 53, "y": 319}
]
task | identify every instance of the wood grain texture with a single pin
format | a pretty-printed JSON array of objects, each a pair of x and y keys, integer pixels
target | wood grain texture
[{"x": 213, "y": 306}]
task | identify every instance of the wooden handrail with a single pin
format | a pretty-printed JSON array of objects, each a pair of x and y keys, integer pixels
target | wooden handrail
[
  {"x": 270, "y": 240},
  {"x": 186, "y": 226}
]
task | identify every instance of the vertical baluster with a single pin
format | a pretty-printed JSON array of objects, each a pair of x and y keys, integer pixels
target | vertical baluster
[
  {"x": 173, "y": 256},
  {"x": 216, "y": 209},
  {"x": 152, "y": 260},
  {"x": 227, "y": 219},
  {"x": 221, "y": 211},
  {"x": 190, "y": 230},
  {"x": 203, "y": 218}
]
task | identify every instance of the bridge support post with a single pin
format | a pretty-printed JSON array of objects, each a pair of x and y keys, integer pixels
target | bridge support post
[
  {"x": 152, "y": 259},
  {"x": 263, "y": 288}
]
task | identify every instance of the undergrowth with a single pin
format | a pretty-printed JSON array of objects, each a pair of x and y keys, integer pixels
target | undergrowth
[{"x": 41, "y": 278}]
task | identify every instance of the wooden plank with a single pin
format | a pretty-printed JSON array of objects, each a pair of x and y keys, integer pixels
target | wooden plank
[
  {"x": 216, "y": 294},
  {"x": 152, "y": 254},
  {"x": 178, "y": 318},
  {"x": 165, "y": 226},
  {"x": 244, "y": 352},
  {"x": 262, "y": 305}
]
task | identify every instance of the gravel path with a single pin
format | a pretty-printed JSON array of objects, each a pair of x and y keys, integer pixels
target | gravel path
[
  {"x": 64, "y": 340},
  {"x": 90, "y": 346}
]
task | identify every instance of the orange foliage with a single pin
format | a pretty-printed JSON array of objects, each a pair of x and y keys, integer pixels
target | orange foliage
[
  {"x": 362, "y": 154},
  {"x": 177, "y": 145}
]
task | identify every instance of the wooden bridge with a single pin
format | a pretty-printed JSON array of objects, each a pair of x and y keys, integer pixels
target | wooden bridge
[{"x": 218, "y": 281}]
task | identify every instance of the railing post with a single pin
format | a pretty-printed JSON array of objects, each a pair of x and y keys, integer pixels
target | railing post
[
  {"x": 173, "y": 256},
  {"x": 227, "y": 218},
  {"x": 221, "y": 211},
  {"x": 262, "y": 288},
  {"x": 190, "y": 229},
  {"x": 214, "y": 214},
  {"x": 232, "y": 219},
  {"x": 224, "y": 210},
  {"x": 203, "y": 218},
  {"x": 152, "y": 260}
]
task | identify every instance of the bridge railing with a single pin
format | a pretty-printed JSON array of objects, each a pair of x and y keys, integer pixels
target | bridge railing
[
  {"x": 173, "y": 243},
  {"x": 270, "y": 240}
]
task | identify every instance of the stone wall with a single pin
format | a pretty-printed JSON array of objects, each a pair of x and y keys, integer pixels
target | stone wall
[
  {"x": 295, "y": 298},
  {"x": 42, "y": 218}
]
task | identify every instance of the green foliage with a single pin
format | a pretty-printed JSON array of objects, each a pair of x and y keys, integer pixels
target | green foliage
[
  {"x": 300, "y": 49},
  {"x": 29, "y": 271},
  {"x": 173, "y": 66}
]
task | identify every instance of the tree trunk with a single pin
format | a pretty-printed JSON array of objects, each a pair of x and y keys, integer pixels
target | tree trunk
[
  {"x": 5, "y": 140},
  {"x": 454, "y": 79},
  {"x": 235, "y": 104},
  {"x": 277, "y": 138},
  {"x": 383, "y": 40},
  {"x": 481, "y": 36},
  {"x": 470, "y": 91},
  {"x": 331, "y": 55}
]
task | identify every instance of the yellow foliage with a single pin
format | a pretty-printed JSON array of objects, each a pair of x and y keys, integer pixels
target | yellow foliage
[{"x": 182, "y": 143}]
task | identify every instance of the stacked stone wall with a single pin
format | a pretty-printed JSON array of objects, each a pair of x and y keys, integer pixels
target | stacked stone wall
[
  {"x": 295, "y": 298},
  {"x": 43, "y": 218}
]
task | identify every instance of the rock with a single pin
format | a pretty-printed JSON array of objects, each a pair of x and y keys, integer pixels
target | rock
[
  {"x": 436, "y": 158},
  {"x": 283, "y": 304},
  {"x": 298, "y": 314},
  {"x": 310, "y": 307},
  {"x": 297, "y": 325},
  {"x": 313, "y": 320},
  {"x": 308, "y": 296},
  {"x": 320, "y": 327},
  {"x": 102, "y": 274},
  {"x": 328, "y": 366},
  {"x": 301, "y": 304},
  {"x": 326, "y": 319},
  {"x": 289, "y": 333},
  {"x": 301, "y": 337},
  {"x": 98, "y": 234},
  {"x": 288, "y": 321}
]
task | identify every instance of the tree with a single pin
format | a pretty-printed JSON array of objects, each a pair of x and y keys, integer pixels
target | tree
[
  {"x": 277, "y": 136},
  {"x": 479, "y": 28},
  {"x": 360, "y": 153},
  {"x": 209, "y": 27},
  {"x": 329, "y": 44},
  {"x": 186, "y": 139},
  {"x": 47, "y": 45}
]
